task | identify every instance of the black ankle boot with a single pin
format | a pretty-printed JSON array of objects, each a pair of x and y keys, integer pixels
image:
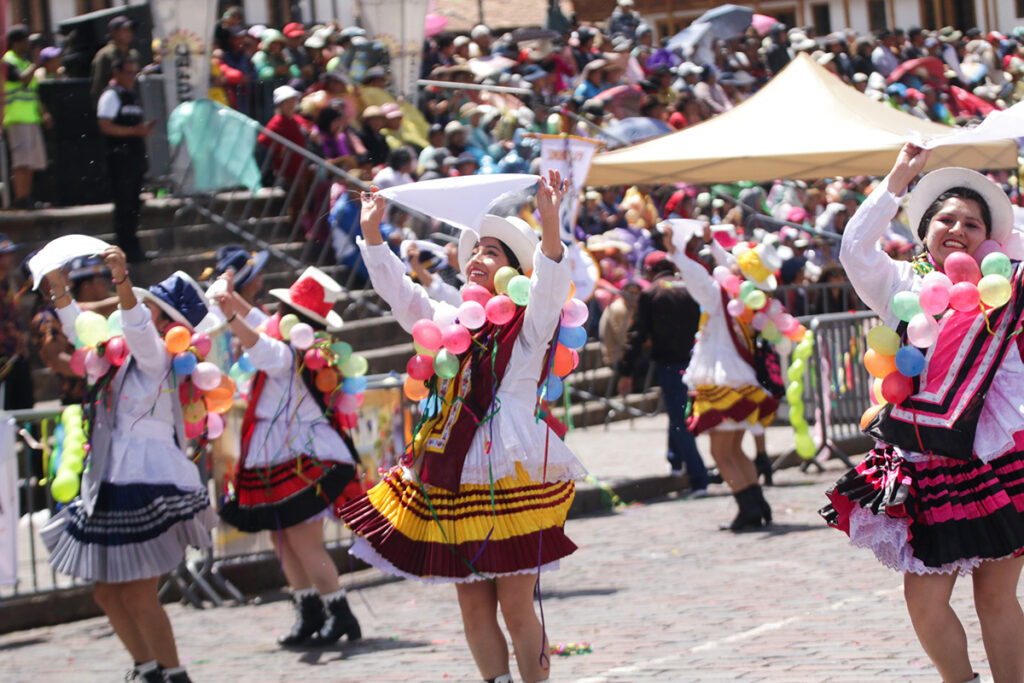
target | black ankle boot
[
  {"x": 309, "y": 611},
  {"x": 340, "y": 620},
  {"x": 764, "y": 467},
  {"x": 176, "y": 675},
  {"x": 714, "y": 476},
  {"x": 766, "y": 509},
  {"x": 147, "y": 672},
  {"x": 750, "y": 514}
]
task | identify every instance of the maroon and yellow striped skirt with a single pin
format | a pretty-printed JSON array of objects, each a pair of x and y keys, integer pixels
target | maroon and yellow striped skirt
[
  {"x": 417, "y": 530},
  {"x": 713, "y": 405}
]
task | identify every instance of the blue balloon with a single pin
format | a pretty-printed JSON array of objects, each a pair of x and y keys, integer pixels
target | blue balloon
[
  {"x": 354, "y": 385},
  {"x": 245, "y": 364},
  {"x": 573, "y": 337},
  {"x": 554, "y": 388},
  {"x": 185, "y": 362},
  {"x": 910, "y": 361}
]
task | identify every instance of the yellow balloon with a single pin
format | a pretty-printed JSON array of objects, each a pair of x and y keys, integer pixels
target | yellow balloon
[
  {"x": 883, "y": 340},
  {"x": 65, "y": 486},
  {"x": 995, "y": 290}
]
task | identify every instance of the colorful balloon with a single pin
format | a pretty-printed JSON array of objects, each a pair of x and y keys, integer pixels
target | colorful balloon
[
  {"x": 964, "y": 296},
  {"x": 287, "y": 323},
  {"x": 245, "y": 364},
  {"x": 472, "y": 314},
  {"x": 476, "y": 293},
  {"x": 756, "y": 300},
  {"x": 909, "y": 361},
  {"x": 883, "y": 340},
  {"x": 420, "y": 367},
  {"x": 185, "y": 362},
  {"x": 194, "y": 412},
  {"x": 502, "y": 277},
  {"x": 996, "y": 263},
  {"x": 937, "y": 276},
  {"x": 354, "y": 366},
  {"x": 301, "y": 336},
  {"x": 961, "y": 267},
  {"x": 456, "y": 338},
  {"x": 573, "y": 337},
  {"x": 347, "y": 403},
  {"x": 905, "y": 305},
  {"x": 116, "y": 351},
  {"x": 574, "y": 313},
  {"x": 356, "y": 385},
  {"x": 446, "y": 364},
  {"x": 202, "y": 343},
  {"x": 746, "y": 288},
  {"x": 194, "y": 430},
  {"x": 445, "y": 315},
  {"x": 214, "y": 425},
  {"x": 500, "y": 309},
  {"x": 206, "y": 376},
  {"x": 313, "y": 360},
  {"x": 552, "y": 389},
  {"x": 326, "y": 380},
  {"x": 934, "y": 298},
  {"x": 427, "y": 334},
  {"x": 922, "y": 330},
  {"x": 986, "y": 249},
  {"x": 879, "y": 365},
  {"x": 519, "y": 290},
  {"x": 114, "y": 328},
  {"x": 177, "y": 338},
  {"x": 91, "y": 328},
  {"x": 869, "y": 415},
  {"x": 414, "y": 389},
  {"x": 736, "y": 308},
  {"x": 95, "y": 364},
  {"x": 805, "y": 447},
  {"x": 561, "y": 364},
  {"x": 733, "y": 285},
  {"x": 994, "y": 290},
  {"x": 896, "y": 388}
]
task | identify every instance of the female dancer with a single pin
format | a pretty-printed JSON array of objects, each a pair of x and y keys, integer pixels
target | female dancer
[
  {"x": 729, "y": 400},
  {"x": 142, "y": 501},
  {"x": 296, "y": 458},
  {"x": 943, "y": 492},
  {"x": 483, "y": 498}
]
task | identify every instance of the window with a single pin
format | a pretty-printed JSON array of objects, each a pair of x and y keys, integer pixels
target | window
[
  {"x": 1020, "y": 8},
  {"x": 877, "y": 16},
  {"x": 822, "y": 17},
  {"x": 33, "y": 13}
]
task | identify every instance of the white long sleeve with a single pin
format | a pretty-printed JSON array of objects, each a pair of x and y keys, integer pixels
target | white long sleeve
[
  {"x": 409, "y": 301},
  {"x": 699, "y": 283},
  {"x": 144, "y": 342}
]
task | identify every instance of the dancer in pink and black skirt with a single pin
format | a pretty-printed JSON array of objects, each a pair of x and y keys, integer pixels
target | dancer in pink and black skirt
[{"x": 942, "y": 494}]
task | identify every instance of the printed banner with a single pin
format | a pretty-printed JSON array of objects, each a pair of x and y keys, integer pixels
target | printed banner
[
  {"x": 8, "y": 504},
  {"x": 570, "y": 156},
  {"x": 400, "y": 26},
  {"x": 185, "y": 30}
]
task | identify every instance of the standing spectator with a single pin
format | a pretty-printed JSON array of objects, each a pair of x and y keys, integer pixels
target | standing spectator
[
  {"x": 24, "y": 117},
  {"x": 481, "y": 35},
  {"x": 624, "y": 20},
  {"x": 883, "y": 57},
  {"x": 376, "y": 144},
  {"x": 122, "y": 32},
  {"x": 776, "y": 54},
  {"x": 292, "y": 127},
  {"x": 15, "y": 372},
  {"x": 615, "y": 323},
  {"x": 669, "y": 317},
  {"x": 49, "y": 64},
  {"x": 122, "y": 124},
  {"x": 230, "y": 20},
  {"x": 271, "y": 62},
  {"x": 237, "y": 70},
  {"x": 295, "y": 51}
]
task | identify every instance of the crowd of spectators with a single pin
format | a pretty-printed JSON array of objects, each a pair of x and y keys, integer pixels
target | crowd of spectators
[{"x": 328, "y": 89}]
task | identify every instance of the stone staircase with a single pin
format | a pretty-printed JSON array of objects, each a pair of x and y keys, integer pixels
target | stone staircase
[{"x": 183, "y": 241}]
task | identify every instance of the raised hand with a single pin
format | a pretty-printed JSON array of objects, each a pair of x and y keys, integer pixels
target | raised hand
[
  {"x": 550, "y": 193},
  {"x": 909, "y": 164},
  {"x": 116, "y": 261},
  {"x": 374, "y": 207}
]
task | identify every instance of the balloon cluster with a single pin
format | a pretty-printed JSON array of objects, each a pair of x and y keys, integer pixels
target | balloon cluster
[
  {"x": 752, "y": 306},
  {"x": 338, "y": 373},
  {"x": 441, "y": 340},
  {"x": 205, "y": 392},
  {"x": 964, "y": 287},
  {"x": 67, "y": 481},
  {"x": 805, "y": 447},
  {"x": 100, "y": 345},
  {"x": 569, "y": 649}
]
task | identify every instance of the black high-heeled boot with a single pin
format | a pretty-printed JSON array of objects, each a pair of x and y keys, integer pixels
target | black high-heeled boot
[
  {"x": 750, "y": 514},
  {"x": 309, "y": 612},
  {"x": 340, "y": 620},
  {"x": 766, "y": 509},
  {"x": 764, "y": 467}
]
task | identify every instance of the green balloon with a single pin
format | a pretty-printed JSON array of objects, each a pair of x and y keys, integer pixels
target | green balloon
[
  {"x": 803, "y": 350},
  {"x": 805, "y": 447},
  {"x": 503, "y": 277},
  {"x": 64, "y": 486},
  {"x": 794, "y": 392},
  {"x": 996, "y": 263},
  {"x": 796, "y": 371},
  {"x": 905, "y": 305},
  {"x": 756, "y": 300},
  {"x": 519, "y": 290},
  {"x": 354, "y": 366},
  {"x": 796, "y": 418},
  {"x": 446, "y": 364},
  {"x": 287, "y": 323},
  {"x": 745, "y": 289},
  {"x": 114, "y": 328},
  {"x": 342, "y": 349}
]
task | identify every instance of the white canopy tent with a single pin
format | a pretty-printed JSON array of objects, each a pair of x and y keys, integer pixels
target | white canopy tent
[{"x": 804, "y": 124}]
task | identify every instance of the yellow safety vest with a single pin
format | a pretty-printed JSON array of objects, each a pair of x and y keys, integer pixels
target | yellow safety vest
[{"x": 21, "y": 102}]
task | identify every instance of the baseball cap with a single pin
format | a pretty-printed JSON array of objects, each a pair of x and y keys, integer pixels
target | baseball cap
[{"x": 294, "y": 30}]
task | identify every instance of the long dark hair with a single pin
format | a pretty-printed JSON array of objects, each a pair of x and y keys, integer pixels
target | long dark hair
[{"x": 964, "y": 193}]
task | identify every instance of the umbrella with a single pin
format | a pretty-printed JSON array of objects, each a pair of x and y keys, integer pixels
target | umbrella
[
  {"x": 483, "y": 67},
  {"x": 933, "y": 65},
  {"x": 622, "y": 100},
  {"x": 762, "y": 23},
  {"x": 727, "y": 21},
  {"x": 633, "y": 130},
  {"x": 688, "y": 37},
  {"x": 435, "y": 23}
]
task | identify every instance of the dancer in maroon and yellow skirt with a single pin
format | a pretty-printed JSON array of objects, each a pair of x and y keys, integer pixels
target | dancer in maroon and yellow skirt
[
  {"x": 296, "y": 456},
  {"x": 942, "y": 494},
  {"x": 483, "y": 494}
]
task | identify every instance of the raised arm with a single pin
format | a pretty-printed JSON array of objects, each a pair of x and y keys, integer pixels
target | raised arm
[
  {"x": 549, "y": 285},
  {"x": 144, "y": 342},
  {"x": 699, "y": 283}
]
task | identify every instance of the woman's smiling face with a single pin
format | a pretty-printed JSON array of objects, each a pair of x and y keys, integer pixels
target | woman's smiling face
[
  {"x": 958, "y": 226},
  {"x": 486, "y": 258}
]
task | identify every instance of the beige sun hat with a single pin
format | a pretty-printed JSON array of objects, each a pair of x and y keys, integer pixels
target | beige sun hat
[{"x": 513, "y": 232}]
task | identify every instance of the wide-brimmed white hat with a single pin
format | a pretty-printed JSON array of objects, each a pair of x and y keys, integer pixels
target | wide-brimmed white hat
[
  {"x": 180, "y": 298},
  {"x": 937, "y": 182},
  {"x": 314, "y": 294},
  {"x": 513, "y": 232}
]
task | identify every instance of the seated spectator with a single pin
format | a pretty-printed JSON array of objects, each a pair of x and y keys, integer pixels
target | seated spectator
[
  {"x": 398, "y": 171},
  {"x": 271, "y": 62},
  {"x": 339, "y": 143},
  {"x": 376, "y": 144}
]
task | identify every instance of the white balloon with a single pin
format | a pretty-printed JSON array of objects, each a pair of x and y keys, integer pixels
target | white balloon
[{"x": 922, "y": 331}]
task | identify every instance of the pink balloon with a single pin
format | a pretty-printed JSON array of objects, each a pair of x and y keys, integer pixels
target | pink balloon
[
  {"x": 301, "y": 336},
  {"x": 759, "y": 321},
  {"x": 78, "y": 361},
  {"x": 500, "y": 309},
  {"x": 313, "y": 359},
  {"x": 206, "y": 376},
  {"x": 785, "y": 322},
  {"x": 117, "y": 351},
  {"x": 964, "y": 296},
  {"x": 214, "y": 425},
  {"x": 939, "y": 277},
  {"x": 735, "y": 307},
  {"x": 420, "y": 366},
  {"x": 202, "y": 342},
  {"x": 721, "y": 274},
  {"x": 347, "y": 403},
  {"x": 194, "y": 430},
  {"x": 732, "y": 285},
  {"x": 960, "y": 267},
  {"x": 427, "y": 334},
  {"x": 985, "y": 248},
  {"x": 472, "y": 314},
  {"x": 456, "y": 338},
  {"x": 95, "y": 364},
  {"x": 934, "y": 298},
  {"x": 477, "y": 293},
  {"x": 575, "y": 358},
  {"x": 922, "y": 330},
  {"x": 574, "y": 313}
]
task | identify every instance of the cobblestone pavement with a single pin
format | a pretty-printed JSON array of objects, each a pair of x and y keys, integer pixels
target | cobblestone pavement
[{"x": 658, "y": 592}]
